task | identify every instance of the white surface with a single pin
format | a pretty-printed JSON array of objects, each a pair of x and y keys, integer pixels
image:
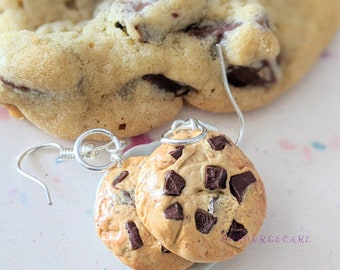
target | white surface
[{"x": 294, "y": 143}]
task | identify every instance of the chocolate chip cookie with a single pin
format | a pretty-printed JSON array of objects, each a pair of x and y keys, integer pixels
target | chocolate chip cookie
[
  {"x": 203, "y": 201},
  {"x": 120, "y": 228},
  {"x": 128, "y": 66}
]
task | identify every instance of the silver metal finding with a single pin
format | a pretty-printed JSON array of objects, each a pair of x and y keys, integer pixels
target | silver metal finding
[
  {"x": 79, "y": 152},
  {"x": 91, "y": 152},
  {"x": 193, "y": 124},
  {"x": 178, "y": 125},
  {"x": 31, "y": 177},
  {"x": 228, "y": 91}
]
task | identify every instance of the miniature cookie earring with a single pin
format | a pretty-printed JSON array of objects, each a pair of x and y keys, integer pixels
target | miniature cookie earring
[
  {"x": 197, "y": 193},
  {"x": 120, "y": 228},
  {"x": 202, "y": 200}
]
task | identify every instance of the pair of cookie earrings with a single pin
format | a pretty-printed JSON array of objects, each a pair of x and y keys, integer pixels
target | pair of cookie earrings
[{"x": 192, "y": 197}]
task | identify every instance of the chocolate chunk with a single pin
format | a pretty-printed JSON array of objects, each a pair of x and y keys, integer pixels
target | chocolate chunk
[
  {"x": 127, "y": 195},
  {"x": 241, "y": 76},
  {"x": 122, "y": 127},
  {"x": 121, "y": 27},
  {"x": 215, "y": 178},
  {"x": 175, "y": 15},
  {"x": 204, "y": 221},
  {"x": 174, "y": 183},
  {"x": 239, "y": 183},
  {"x": 177, "y": 153},
  {"x": 21, "y": 88},
  {"x": 164, "y": 250},
  {"x": 263, "y": 21},
  {"x": 71, "y": 4},
  {"x": 135, "y": 240},
  {"x": 236, "y": 231},
  {"x": 128, "y": 199},
  {"x": 120, "y": 178},
  {"x": 167, "y": 84},
  {"x": 174, "y": 211},
  {"x": 218, "y": 142}
]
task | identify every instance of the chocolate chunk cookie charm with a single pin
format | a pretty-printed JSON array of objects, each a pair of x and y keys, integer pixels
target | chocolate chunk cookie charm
[
  {"x": 120, "y": 228},
  {"x": 199, "y": 194}
]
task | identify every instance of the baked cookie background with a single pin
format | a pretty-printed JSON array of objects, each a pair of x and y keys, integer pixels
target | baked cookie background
[
  {"x": 203, "y": 201},
  {"x": 80, "y": 64},
  {"x": 119, "y": 227}
]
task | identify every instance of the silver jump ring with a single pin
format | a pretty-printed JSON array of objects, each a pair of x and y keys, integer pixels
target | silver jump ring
[
  {"x": 115, "y": 152},
  {"x": 179, "y": 125}
]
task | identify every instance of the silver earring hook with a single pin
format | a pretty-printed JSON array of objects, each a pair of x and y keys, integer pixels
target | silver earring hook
[
  {"x": 230, "y": 95},
  {"x": 193, "y": 124},
  {"x": 79, "y": 152},
  {"x": 31, "y": 177}
]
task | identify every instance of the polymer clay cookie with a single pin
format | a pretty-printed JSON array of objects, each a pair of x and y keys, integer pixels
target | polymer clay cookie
[
  {"x": 128, "y": 66},
  {"x": 120, "y": 228},
  {"x": 203, "y": 201}
]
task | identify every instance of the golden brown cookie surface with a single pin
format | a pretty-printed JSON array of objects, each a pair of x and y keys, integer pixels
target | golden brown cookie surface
[
  {"x": 203, "y": 201},
  {"x": 120, "y": 228}
]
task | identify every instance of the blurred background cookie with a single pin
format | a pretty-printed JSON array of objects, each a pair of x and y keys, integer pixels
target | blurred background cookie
[{"x": 128, "y": 66}]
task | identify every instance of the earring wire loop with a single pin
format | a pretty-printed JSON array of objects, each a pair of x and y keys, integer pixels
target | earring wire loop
[{"x": 79, "y": 152}]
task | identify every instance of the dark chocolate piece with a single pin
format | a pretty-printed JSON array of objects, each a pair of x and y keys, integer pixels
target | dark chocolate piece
[
  {"x": 174, "y": 183},
  {"x": 175, "y": 15},
  {"x": 135, "y": 240},
  {"x": 122, "y": 127},
  {"x": 174, "y": 211},
  {"x": 241, "y": 76},
  {"x": 129, "y": 199},
  {"x": 21, "y": 88},
  {"x": 263, "y": 21},
  {"x": 164, "y": 250},
  {"x": 71, "y": 4},
  {"x": 177, "y": 153},
  {"x": 218, "y": 142},
  {"x": 236, "y": 231},
  {"x": 239, "y": 183},
  {"x": 204, "y": 221},
  {"x": 167, "y": 84},
  {"x": 120, "y": 178},
  {"x": 215, "y": 178}
]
